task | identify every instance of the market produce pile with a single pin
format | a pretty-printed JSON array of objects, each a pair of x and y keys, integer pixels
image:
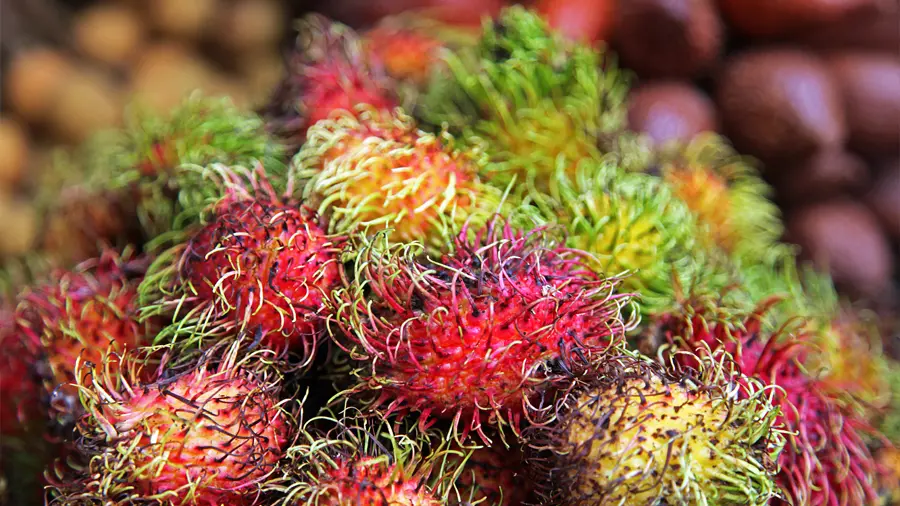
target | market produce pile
[{"x": 436, "y": 269}]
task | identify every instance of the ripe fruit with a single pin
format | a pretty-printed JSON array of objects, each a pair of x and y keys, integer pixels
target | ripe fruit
[
  {"x": 328, "y": 71},
  {"x": 680, "y": 38},
  {"x": 779, "y": 104},
  {"x": 491, "y": 475},
  {"x": 207, "y": 436},
  {"x": 827, "y": 174},
  {"x": 358, "y": 461},
  {"x": 88, "y": 316},
  {"x": 477, "y": 336},
  {"x": 770, "y": 18},
  {"x": 18, "y": 390},
  {"x": 260, "y": 266},
  {"x": 586, "y": 21},
  {"x": 639, "y": 436},
  {"x": 378, "y": 171},
  {"x": 826, "y": 460}
]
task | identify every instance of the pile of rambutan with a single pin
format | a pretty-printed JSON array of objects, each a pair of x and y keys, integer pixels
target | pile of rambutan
[{"x": 437, "y": 269}]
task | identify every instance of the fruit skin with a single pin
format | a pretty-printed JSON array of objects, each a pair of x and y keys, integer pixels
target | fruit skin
[
  {"x": 826, "y": 460},
  {"x": 344, "y": 458},
  {"x": 377, "y": 170},
  {"x": 870, "y": 88},
  {"x": 770, "y": 18},
  {"x": 882, "y": 198},
  {"x": 86, "y": 315},
  {"x": 827, "y": 174},
  {"x": 490, "y": 475},
  {"x": 844, "y": 238},
  {"x": 529, "y": 98},
  {"x": 329, "y": 70},
  {"x": 641, "y": 434},
  {"x": 208, "y": 435},
  {"x": 477, "y": 336},
  {"x": 19, "y": 392},
  {"x": 261, "y": 266},
  {"x": 680, "y": 38},
  {"x": 670, "y": 111},
  {"x": 779, "y": 103}
]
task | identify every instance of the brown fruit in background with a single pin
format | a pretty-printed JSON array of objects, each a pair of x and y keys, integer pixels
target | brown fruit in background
[
  {"x": 13, "y": 152},
  {"x": 884, "y": 198},
  {"x": 845, "y": 238},
  {"x": 251, "y": 25},
  {"x": 33, "y": 80},
  {"x": 582, "y": 20},
  {"x": 182, "y": 18},
  {"x": 108, "y": 33},
  {"x": 824, "y": 175},
  {"x": 668, "y": 38},
  {"x": 878, "y": 30},
  {"x": 363, "y": 13},
  {"x": 670, "y": 111},
  {"x": 166, "y": 73},
  {"x": 769, "y": 18},
  {"x": 88, "y": 103},
  {"x": 870, "y": 87},
  {"x": 20, "y": 225},
  {"x": 779, "y": 103}
]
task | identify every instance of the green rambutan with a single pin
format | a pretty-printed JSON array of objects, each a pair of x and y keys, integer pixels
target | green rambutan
[
  {"x": 209, "y": 435},
  {"x": 260, "y": 265},
  {"x": 477, "y": 336},
  {"x": 630, "y": 222},
  {"x": 727, "y": 196},
  {"x": 640, "y": 435},
  {"x": 87, "y": 314},
  {"x": 329, "y": 70},
  {"x": 358, "y": 461},
  {"x": 530, "y": 97},
  {"x": 376, "y": 171}
]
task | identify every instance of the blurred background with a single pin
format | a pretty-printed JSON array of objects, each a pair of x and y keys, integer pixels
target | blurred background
[{"x": 810, "y": 88}]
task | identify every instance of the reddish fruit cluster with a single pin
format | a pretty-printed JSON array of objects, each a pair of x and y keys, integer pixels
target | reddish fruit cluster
[
  {"x": 826, "y": 461},
  {"x": 503, "y": 318}
]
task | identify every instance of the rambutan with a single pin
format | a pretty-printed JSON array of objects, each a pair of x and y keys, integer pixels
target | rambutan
[
  {"x": 826, "y": 460},
  {"x": 379, "y": 171},
  {"x": 529, "y": 96},
  {"x": 728, "y": 197},
  {"x": 87, "y": 314},
  {"x": 328, "y": 71},
  {"x": 206, "y": 436},
  {"x": 477, "y": 336},
  {"x": 261, "y": 265},
  {"x": 630, "y": 222},
  {"x": 358, "y": 461},
  {"x": 640, "y": 435},
  {"x": 490, "y": 476},
  {"x": 19, "y": 392}
]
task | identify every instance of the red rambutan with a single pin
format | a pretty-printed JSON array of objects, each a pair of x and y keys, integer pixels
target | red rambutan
[
  {"x": 261, "y": 265},
  {"x": 491, "y": 476},
  {"x": 84, "y": 314},
  {"x": 18, "y": 390},
  {"x": 475, "y": 337},
  {"x": 826, "y": 461},
  {"x": 329, "y": 71},
  {"x": 207, "y": 436}
]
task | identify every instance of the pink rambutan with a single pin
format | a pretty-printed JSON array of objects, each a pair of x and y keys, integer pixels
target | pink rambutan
[
  {"x": 478, "y": 335},
  {"x": 207, "y": 436},
  {"x": 826, "y": 461},
  {"x": 260, "y": 265},
  {"x": 329, "y": 71},
  {"x": 85, "y": 314}
]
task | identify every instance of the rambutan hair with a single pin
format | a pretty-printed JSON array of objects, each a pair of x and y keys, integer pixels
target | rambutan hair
[
  {"x": 345, "y": 457},
  {"x": 376, "y": 170},
  {"x": 641, "y": 433},
  {"x": 530, "y": 97},
  {"x": 826, "y": 460},
  {"x": 259, "y": 265},
  {"x": 209, "y": 433},
  {"x": 475, "y": 337}
]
